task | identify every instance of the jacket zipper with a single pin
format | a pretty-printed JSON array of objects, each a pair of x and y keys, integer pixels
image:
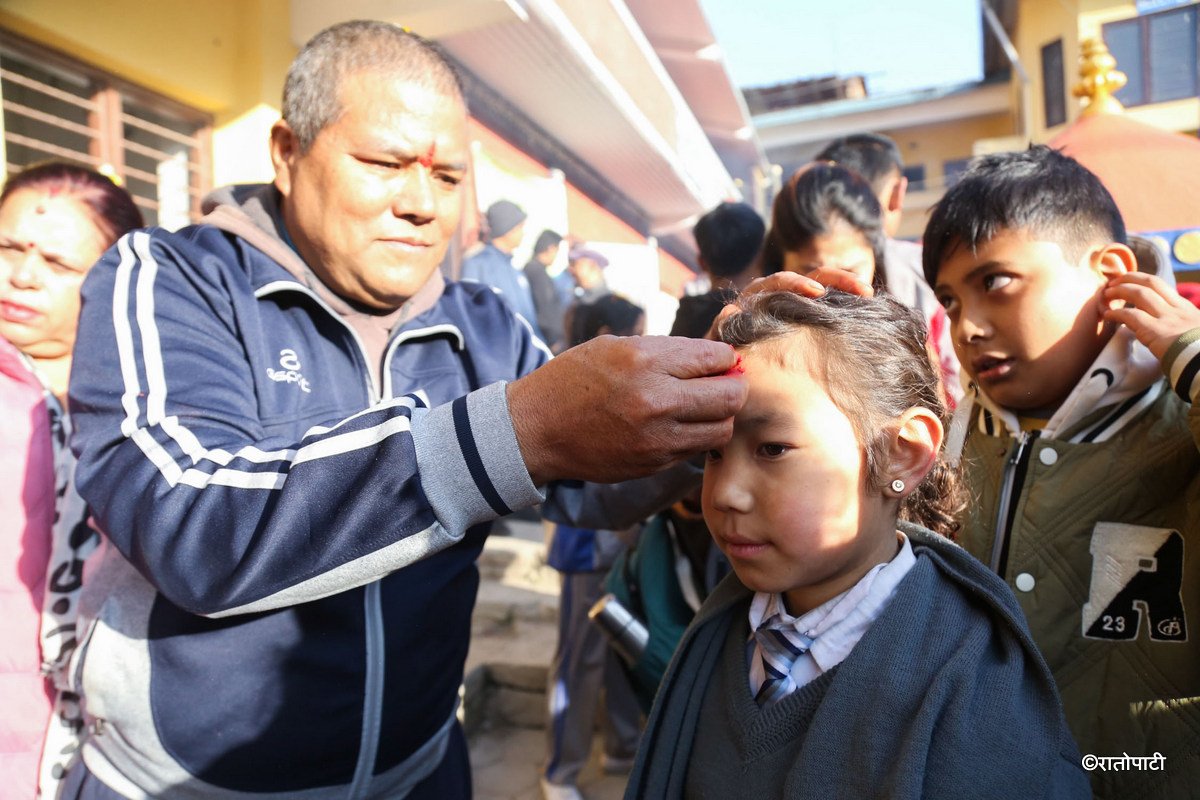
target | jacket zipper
[
  {"x": 364, "y": 768},
  {"x": 1009, "y": 491},
  {"x": 373, "y": 629}
]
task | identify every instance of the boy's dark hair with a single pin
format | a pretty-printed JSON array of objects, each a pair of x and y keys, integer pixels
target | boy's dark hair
[
  {"x": 816, "y": 198},
  {"x": 609, "y": 311},
  {"x": 546, "y": 239},
  {"x": 729, "y": 238},
  {"x": 1039, "y": 191},
  {"x": 871, "y": 356},
  {"x": 872, "y": 155}
]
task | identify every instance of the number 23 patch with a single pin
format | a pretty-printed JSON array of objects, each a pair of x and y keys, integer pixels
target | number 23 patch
[{"x": 1137, "y": 577}]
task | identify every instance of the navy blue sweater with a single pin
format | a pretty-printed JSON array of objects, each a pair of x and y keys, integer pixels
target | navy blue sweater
[{"x": 945, "y": 696}]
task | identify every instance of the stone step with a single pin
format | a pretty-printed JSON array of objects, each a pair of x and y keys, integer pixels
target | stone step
[{"x": 513, "y": 634}]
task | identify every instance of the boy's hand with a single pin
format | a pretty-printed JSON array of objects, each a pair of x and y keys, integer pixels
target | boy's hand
[{"x": 1156, "y": 313}]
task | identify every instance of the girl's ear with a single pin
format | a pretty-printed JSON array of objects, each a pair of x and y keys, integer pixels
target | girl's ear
[{"x": 914, "y": 448}]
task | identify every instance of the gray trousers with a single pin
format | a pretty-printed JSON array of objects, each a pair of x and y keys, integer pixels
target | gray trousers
[{"x": 585, "y": 676}]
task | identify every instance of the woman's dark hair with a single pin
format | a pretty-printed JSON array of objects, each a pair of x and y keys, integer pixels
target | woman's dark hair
[
  {"x": 816, "y": 198},
  {"x": 610, "y": 311},
  {"x": 111, "y": 208},
  {"x": 872, "y": 357}
]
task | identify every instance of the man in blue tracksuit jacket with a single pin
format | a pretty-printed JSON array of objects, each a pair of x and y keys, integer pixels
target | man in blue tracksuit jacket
[{"x": 294, "y": 436}]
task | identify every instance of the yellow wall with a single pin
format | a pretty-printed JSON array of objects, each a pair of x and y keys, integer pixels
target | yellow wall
[
  {"x": 932, "y": 146},
  {"x": 1041, "y": 22},
  {"x": 225, "y": 57}
]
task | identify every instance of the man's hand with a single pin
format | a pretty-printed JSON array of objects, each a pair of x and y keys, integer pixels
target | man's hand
[
  {"x": 1156, "y": 313},
  {"x": 618, "y": 408},
  {"x": 814, "y": 284}
]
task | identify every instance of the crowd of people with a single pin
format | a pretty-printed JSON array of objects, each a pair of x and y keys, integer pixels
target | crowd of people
[{"x": 903, "y": 520}]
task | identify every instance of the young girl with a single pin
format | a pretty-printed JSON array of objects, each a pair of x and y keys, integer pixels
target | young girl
[{"x": 853, "y": 653}]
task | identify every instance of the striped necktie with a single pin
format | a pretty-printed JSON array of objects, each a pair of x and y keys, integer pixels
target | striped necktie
[{"x": 779, "y": 645}]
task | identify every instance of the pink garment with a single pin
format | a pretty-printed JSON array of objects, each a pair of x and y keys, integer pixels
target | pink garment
[{"x": 26, "y": 518}]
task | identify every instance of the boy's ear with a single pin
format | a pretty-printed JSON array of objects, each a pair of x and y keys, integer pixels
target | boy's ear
[
  {"x": 1114, "y": 260},
  {"x": 915, "y": 446}
]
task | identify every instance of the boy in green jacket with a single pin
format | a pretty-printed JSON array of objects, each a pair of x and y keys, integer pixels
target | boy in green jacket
[{"x": 1081, "y": 458}]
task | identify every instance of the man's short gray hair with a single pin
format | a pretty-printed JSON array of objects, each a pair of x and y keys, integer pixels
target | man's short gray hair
[{"x": 311, "y": 97}]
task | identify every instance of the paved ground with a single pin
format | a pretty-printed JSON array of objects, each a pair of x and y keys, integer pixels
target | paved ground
[
  {"x": 512, "y": 641},
  {"x": 505, "y": 762}
]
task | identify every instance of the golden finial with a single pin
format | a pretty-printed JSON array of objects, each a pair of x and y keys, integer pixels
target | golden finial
[{"x": 1099, "y": 78}]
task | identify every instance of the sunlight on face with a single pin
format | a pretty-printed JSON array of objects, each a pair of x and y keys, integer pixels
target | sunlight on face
[
  {"x": 47, "y": 245},
  {"x": 786, "y": 498},
  {"x": 374, "y": 202},
  {"x": 1026, "y": 322}
]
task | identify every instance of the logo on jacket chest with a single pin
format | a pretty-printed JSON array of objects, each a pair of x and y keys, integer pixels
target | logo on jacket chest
[
  {"x": 289, "y": 371},
  {"x": 1137, "y": 577}
]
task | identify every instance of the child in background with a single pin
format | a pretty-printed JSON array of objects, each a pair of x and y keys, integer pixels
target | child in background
[
  {"x": 828, "y": 216},
  {"x": 877, "y": 159},
  {"x": 851, "y": 654},
  {"x": 585, "y": 676},
  {"x": 1082, "y": 458}
]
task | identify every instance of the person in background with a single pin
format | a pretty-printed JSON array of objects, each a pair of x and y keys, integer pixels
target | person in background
[
  {"x": 27, "y": 508},
  {"x": 729, "y": 239},
  {"x": 55, "y": 221},
  {"x": 828, "y": 216},
  {"x": 1082, "y": 450},
  {"x": 548, "y": 307},
  {"x": 585, "y": 276},
  {"x": 877, "y": 159},
  {"x": 855, "y": 652},
  {"x": 586, "y": 268},
  {"x": 493, "y": 265},
  {"x": 585, "y": 676}
]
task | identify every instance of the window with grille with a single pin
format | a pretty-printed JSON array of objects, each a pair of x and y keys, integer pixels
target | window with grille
[
  {"x": 54, "y": 108},
  {"x": 1054, "y": 84},
  {"x": 916, "y": 177},
  {"x": 953, "y": 169},
  {"x": 1157, "y": 53}
]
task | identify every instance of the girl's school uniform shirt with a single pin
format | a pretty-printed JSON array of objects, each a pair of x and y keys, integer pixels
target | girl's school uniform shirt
[{"x": 836, "y": 625}]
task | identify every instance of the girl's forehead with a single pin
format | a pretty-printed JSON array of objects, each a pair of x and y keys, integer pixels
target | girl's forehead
[{"x": 795, "y": 350}]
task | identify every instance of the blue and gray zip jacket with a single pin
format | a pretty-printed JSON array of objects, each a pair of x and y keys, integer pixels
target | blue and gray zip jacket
[{"x": 282, "y": 605}]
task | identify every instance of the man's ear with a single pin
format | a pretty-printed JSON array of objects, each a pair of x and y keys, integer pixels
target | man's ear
[
  {"x": 896, "y": 196},
  {"x": 1114, "y": 260},
  {"x": 285, "y": 149},
  {"x": 914, "y": 447}
]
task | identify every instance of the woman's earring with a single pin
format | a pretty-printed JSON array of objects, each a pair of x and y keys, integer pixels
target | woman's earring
[{"x": 898, "y": 486}]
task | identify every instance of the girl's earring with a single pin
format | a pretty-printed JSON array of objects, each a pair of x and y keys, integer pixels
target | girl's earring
[{"x": 898, "y": 486}]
